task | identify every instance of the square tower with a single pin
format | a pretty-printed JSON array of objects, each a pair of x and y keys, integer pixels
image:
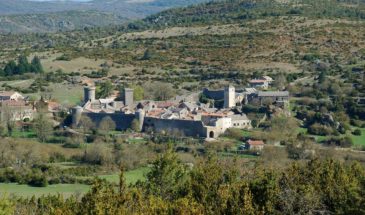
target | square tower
[
  {"x": 128, "y": 96},
  {"x": 229, "y": 96}
]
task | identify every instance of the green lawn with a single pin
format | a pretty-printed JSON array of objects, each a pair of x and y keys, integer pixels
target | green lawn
[
  {"x": 17, "y": 133},
  {"x": 359, "y": 140},
  {"x": 131, "y": 176}
]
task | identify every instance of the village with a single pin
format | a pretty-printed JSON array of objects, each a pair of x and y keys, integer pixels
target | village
[{"x": 184, "y": 115}]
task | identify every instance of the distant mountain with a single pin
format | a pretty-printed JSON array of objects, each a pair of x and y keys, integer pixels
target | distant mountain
[{"x": 18, "y": 16}]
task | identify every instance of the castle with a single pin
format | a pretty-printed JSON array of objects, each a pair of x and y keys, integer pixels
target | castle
[{"x": 172, "y": 117}]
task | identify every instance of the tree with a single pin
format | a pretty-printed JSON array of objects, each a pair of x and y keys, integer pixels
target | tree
[
  {"x": 10, "y": 68},
  {"x": 7, "y": 119},
  {"x": 43, "y": 127},
  {"x": 167, "y": 176},
  {"x": 136, "y": 125},
  {"x": 36, "y": 65},
  {"x": 106, "y": 125},
  {"x": 86, "y": 124},
  {"x": 322, "y": 77},
  {"x": 160, "y": 91},
  {"x": 138, "y": 93},
  {"x": 282, "y": 129},
  {"x": 105, "y": 89},
  {"x": 23, "y": 65},
  {"x": 147, "y": 55},
  {"x": 6, "y": 206},
  {"x": 280, "y": 81}
]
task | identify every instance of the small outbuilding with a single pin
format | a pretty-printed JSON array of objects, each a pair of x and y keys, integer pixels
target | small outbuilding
[{"x": 256, "y": 145}]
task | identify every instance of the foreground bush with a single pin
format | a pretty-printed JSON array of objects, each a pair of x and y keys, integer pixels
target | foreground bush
[{"x": 213, "y": 187}]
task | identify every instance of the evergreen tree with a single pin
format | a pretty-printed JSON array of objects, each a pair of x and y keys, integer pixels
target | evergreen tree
[
  {"x": 10, "y": 68},
  {"x": 36, "y": 65},
  {"x": 23, "y": 65}
]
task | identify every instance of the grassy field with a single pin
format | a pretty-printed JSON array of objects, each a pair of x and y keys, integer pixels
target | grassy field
[
  {"x": 27, "y": 191},
  {"x": 69, "y": 189},
  {"x": 359, "y": 140},
  {"x": 131, "y": 176}
]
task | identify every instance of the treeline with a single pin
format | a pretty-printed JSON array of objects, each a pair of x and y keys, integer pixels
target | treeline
[
  {"x": 216, "y": 187},
  {"x": 22, "y": 66}
]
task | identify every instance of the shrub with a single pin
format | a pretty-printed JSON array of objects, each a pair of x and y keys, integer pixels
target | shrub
[
  {"x": 357, "y": 132},
  {"x": 318, "y": 129},
  {"x": 345, "y": 142},
  {"x": 38, "y": 181},
  {"x": 234, "y": 133}
]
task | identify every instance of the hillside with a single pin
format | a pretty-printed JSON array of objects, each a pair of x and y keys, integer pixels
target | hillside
[
  {"x": 20, "y": 16},
  {"x": 58, "y": 21}
]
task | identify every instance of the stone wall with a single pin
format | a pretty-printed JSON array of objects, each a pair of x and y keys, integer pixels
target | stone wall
[
  {"x": 122, "y": 121},
  {"x": 214, "y": 94},
  {"x": 175, "y": 126}
]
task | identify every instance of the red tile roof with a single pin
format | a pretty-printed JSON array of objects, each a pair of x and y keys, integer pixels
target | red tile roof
[
  {"x": 13, "y": 103},
  {"x": 255, "y": 142},
  {"x": 257, "y": 81},
  {"x": 7, "y": 93},
  {"x": 165, "y": 104}
]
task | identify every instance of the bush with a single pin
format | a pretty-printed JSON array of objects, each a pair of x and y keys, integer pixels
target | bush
[
  {"x": 234, "y": 133},
  {"x": 38, "y": 181},
  {"x": 344, "y": 142},
  {"x": 357, "y": 132},
  {"x": 318, "y": 129}
]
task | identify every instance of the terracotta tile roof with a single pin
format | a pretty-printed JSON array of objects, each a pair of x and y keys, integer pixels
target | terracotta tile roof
[
  {"x": 165, "y": 104},
  {"x": 255, "y": 142},
  {"x": 7, "y": 93},
  {"x": 257, "y": 81},
  {"x": 13, "y": 103},
  {"x": 214, "y": 114},
  {"x": 155, "y": 113}
]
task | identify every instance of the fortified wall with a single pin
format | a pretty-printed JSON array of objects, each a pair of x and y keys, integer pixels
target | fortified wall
[{"x": 183, "y": 127}]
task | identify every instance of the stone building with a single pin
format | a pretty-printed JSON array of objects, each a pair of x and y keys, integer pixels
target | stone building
[{"x": 15, "y": 107}]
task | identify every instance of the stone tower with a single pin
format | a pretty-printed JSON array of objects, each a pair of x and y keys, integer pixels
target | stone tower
[
  {"x": 128, "y": 96},
  {"x": 229, "y": 96},
  {"x": 76, "y": 115},
  {"x": 140, "y": 114},
  {"x": 89, "y": 94}
]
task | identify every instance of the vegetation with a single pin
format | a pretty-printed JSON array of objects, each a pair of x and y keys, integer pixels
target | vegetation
[{"x": 212, "y": 187}]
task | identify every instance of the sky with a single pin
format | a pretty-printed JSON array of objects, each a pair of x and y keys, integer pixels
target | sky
[{"x": 63, "y": 0}]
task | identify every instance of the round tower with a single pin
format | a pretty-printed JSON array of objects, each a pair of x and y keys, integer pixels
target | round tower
[
  {"x": 89, "y": 94},
  {"x": 229, "y": 96},
  {"x": 76, "y": 115},
  {"x": 140, "y": 114}
]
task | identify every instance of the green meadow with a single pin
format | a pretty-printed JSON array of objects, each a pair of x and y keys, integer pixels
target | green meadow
[{"x": 67, "y": 190}]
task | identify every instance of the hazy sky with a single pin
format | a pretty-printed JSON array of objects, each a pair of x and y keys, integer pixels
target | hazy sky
[{"x": 63, "y": 0}]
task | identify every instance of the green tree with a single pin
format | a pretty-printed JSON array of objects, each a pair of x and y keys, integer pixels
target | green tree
[
  {"x": 86, "y": 124},
  {"x": 168, "y": 177},
  {"x": 23, "y": 65},
  {"x": 138, "y": 93},
  {"x": 36, "y": 65},
  {"x": 10, "y": 68},
  {"x": 135, "y": 125},
  {"x": 106, "y": 125},
  {"x": 6, "y": 206},
  {"x": 43, "y": 127},
  {"x": 105, "y": 89},
  {"x": 147, "y": 55}
]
